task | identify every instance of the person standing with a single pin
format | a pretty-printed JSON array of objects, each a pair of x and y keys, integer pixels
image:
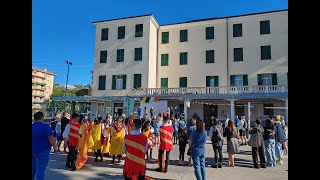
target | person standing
[
  {"x": 176, "y": 112},
  {"x": 182, "y": 126},
  {"x": 64, "y": 122},
  {"x": 236, "y": 123},
  {"x": 72, "y": 133},
  {"x": 147, "y": 130},
  {"x": 97, "y": 137},
  {"x": 83, "y": 143},
  {"x": 42, "y": 140},
  {"x": 139, "y": 112},
  {"x": 280, "y": 138},
  {"x": 175, "y": 130},
  {"x": 256, "y": 143},
  {"x": 59, "y": 134},
  {"x": 183, "y": 140},
  {"x": 269, "y": 143},
  {"x": 226, "y": 122},
  {"x": 116, "y": 142},
  {"x": 197, "y": 142},
  {"x": 242, "y": 130},
  {"x": 165, "y": 144},
  {"x": 191, "y": 128},
  {"x": 156, "y": 130},
  {"x": 216, "y": 134},
  {"x": 232, "y": 142},
  {"x": 151, "y": 112},
  {"x": 106, "y": 135}
]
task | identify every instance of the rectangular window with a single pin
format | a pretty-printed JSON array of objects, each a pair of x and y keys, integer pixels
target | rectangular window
[
  {"x": 121, "y": 32},
  {"x": 212, "y": 81},
  {"x": 139, "y": 30},
  {"x": 119, "y": 82},
  {"x": 237, "y": 54},
  {"x": 164, "y": 82},
  {"x": 239, "y": 80},
  {"x": 104, "y": 34},
  {"x": 183, "y": 35},
  {"x": 183, "y": 58},
  {"x": 165, "y": 38},
  {"x": 209, "y": 32},
  {"x": 267, "y": 109},
  {"x": 103, "y": 56},
  {"x": 102, "y": 83},
  {"x": 183, "y": 82},
  {"x": 120, "y": 55},
  {"x": 210, "y": 56},
  {"x": 265, "y": 27},
  {"x": 136, "y": 80},
  {"x": 138, "y": 54},
  {"x": 164, "y": 59},
  {"x": 267, "y": 79},
  {"x": 237, "y": 30},
  {"x": 265, "y": 52}
]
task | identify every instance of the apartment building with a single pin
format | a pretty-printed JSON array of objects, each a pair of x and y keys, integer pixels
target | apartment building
[
  {"x": 234, "y": 65},
  {"x": 42, "y": 85}
]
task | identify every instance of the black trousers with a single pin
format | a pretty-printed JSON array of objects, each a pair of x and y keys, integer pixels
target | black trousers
[
  {"x": 140, "y": 177},
  {"x": 149, "y": 157},
  {"x": 182, "y": 150},
  {"x": 260, "y": 151},
  {"x": 160, "y": 156},
  {"x": 217, "y": 151},
  {"x": 98, "y": 153},
  {"x": 72, "y": 156}
]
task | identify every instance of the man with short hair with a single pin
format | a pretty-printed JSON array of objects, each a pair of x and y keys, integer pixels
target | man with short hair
[
  {"x": 226, "y": 122},
  {"x": 42, "y": 140},
  {"x": 72, "y": 133},
  {"x": 64, "y": 122}
]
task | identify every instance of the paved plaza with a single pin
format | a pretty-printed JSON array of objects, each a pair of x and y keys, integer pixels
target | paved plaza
[{"x": 105, "y": 170}]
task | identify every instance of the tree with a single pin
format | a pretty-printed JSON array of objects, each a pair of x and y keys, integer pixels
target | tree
[
  {"x": 82, "y": 92},
  {"x": 57, "y": 91}
]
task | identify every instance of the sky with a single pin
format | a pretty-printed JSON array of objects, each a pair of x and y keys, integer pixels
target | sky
[{"x": 62, "y": 30}]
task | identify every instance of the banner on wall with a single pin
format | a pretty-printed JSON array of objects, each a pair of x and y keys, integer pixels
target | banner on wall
[{"x": 131, "y": 105}]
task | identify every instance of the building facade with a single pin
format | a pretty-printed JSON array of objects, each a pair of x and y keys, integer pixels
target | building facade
[
  {"x": 222, "y": 66},
  {"x": 42, "y": 86}
]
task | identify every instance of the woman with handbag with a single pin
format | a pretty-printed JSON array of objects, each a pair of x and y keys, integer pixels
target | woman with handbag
[
  {"x": 256, "y": 143},
  {"x": 216, "y": 132},
  {"x": 232, "y": 142}
]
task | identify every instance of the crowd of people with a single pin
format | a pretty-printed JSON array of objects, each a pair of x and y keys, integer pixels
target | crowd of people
[{"x": 134, "y": 138}]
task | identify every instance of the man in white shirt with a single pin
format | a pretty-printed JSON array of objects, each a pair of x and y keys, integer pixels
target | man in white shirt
[{"x": 226, "y": 122}]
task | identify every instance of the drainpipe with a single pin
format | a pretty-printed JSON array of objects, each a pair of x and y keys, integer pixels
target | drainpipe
[{"x": 227, "y": 54}]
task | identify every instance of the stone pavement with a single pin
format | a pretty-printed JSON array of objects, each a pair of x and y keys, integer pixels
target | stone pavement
[{"x": 105, "y": 170}]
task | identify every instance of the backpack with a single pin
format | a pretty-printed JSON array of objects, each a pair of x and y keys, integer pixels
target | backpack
[
  {"x": 216, "y": 137},
  {"x": 254, "y": 140}
]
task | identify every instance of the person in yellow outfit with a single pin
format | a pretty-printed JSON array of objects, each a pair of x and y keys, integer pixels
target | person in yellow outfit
[
  {"x": 117, "y": 140},
  {"x": 106, "y": 135},
  {"x": 147, "y": 130},
  {"x": 96, "y": 134},
  {"x": 83, "y": 143}
]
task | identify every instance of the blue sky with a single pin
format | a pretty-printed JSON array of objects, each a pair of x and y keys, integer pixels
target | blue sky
[{"x": 62, "y": 29}]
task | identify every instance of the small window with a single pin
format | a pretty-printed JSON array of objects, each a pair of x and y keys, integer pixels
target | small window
[
  {"x": 137, "y": 81},
  {"x": 209, "y": 32},
  {"x": 183, "y": 82},
  {"x": 165, "y": 38},
  {"x": 183, "y": 35},
  {"x": 120, "y": 55},
  {"x": 103, "y": 56},
  {"x": 238, "y": 54},
  {"x": 265, "y": 27},
  {"x": 183, "y": 58},
  {"x": 119, "y": 82},
  {"x": 265, "y": 52},
  {"x": 102, "y": 83},
  {"x": 164, "y": 59},
  {"x": 237, "y": 30},
  {"x": 139, "y": 30},
  {"x": 212, "y": 81},
  {"x": 121, "y": 32},
  {"x": 164, "y": 82},
  {"x": 138, "y": 54},
  {"x": 267, "y": 79},
  {"x": 210, "y": 56},
  {"x": 104, "y": 34}
]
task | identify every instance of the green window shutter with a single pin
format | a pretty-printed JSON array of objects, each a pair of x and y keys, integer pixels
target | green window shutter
[
  {"x": 259, "y": 79},
  {"x": 265, "y": 27},
  {"x": 120, "y": 55},
  {"x": 209, "y": 32},
  {"x": 274, "y": 79},
  {"x": 137, "y": 81},
  {"x": 183, "y": 82},
  {"x": 113, "y": 81},
  {"x": 232, "y": 80},
  {"x": 165, "y": 37},
  {"x": 121, "y": 32},
  {"x": 216, "y": 81},
  {"x": 265, "y": 52},
  {"x": 164, "y": 82},
  {"x": 139, "y": 30},
  {"x": 124, "y": 81},
  {"x": 104, "y": 34},
  {"x": 245, "y": 80},
  {"x": 237, "y": 30},
  {"x": 237, "y": 54},
  {"x": 102, "y": 83},
  {"x": 183, "y": 58},
  {"x": 183, "y": 35},
  {"x": 164, "y": 59},
  {"x": 210, "y": 56},
  {"x": 103, "y": 56},
  {"x": 208, "y": 81},
  {"x": 138, "y": 54}
]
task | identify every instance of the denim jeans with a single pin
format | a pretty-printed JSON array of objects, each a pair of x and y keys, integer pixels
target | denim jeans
[
  {"x": 199, "y": 165},
  {"x": 279, "y": 153},
  {"x": 39, "y": 164},
  {"x": 270, "y": 152}
]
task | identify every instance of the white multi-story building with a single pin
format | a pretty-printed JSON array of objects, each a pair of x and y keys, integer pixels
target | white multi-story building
[{"x": 217, "y": 64}]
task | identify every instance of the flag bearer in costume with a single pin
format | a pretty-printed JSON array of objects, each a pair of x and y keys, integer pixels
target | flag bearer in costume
[
  {"x": 135, "y": 146},
  {"x": 72, "y": 132},
  {"x": 106, "y": 135},
  {"x": 96, "y": 133},
  {"x": 130, "y": 123},
  {"x": 83, "y": 143},
  {"x": 165, "y": 144},
  {"x": 147, "y": 130},
  {"x": 117, "y": 138}
]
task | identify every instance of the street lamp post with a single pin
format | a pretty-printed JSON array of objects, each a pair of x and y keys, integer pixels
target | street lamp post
[{"x": 69, "y": 63}]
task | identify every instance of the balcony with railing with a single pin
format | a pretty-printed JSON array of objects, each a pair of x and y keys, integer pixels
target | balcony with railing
[
  {"x": 38, "y": 94},
  {"x": 40, "y": 88},
  {"x": 39, "y": 75}
]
